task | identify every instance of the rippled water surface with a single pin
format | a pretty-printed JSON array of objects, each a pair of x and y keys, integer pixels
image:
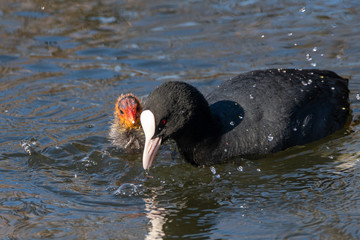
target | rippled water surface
[{"x": 64, "y": 63}]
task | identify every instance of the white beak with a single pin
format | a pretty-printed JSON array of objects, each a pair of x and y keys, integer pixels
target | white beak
[{"x": 152, "y": 145}]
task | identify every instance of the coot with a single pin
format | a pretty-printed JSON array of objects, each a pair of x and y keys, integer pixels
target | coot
[
  {"x": 250, "y": 115},
  {"x": 125, "y": 130}
]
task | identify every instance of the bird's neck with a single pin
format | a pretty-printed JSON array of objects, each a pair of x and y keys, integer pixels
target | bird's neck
[{"x": 203, "y": 130}]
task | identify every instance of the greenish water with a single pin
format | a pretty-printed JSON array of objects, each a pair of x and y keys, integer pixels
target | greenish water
[{"x": 64, "y": 63}]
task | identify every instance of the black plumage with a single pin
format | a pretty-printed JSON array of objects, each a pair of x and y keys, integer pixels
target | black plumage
[{"x": 253, "y": 114}]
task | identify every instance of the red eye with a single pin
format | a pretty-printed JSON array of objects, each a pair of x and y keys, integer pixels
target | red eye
[{"x": 162, "y": 124}]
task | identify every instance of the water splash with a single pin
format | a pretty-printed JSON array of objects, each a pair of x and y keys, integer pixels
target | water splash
[
  {"x": 303, "y": 9},
  {"x": 129, "y": 190}
]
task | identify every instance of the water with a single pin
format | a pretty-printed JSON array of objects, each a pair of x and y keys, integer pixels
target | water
[{"x": 62, "y": 67}]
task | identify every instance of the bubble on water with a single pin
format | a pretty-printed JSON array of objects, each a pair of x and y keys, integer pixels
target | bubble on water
[
  {"x": 213, "y": 170},
  {"x": 262, "y": 36},
  {"x": 313, "y": 64},
  {"x": 304, "y": 83},
  {"x": 254, "y": 85},
  {"x": 358, "y": 97},
  {"x": 309, "y": 82},
  {"x": 294, "y": 129},
  {"x": 303, "y": 9},
  {"x": 225, "y": 150},
  {"x": 232, "y": 123},
  {"x": 117, "y": 68},
  {"x": 240, "y": 168},
  {"x": 258, "y": 170},
  {"x": 42, "y": 7},
  {"x": 290, "y": 34},
  {"x": 241, "y": 117},
  {"x": 270, "y": 137},
  {"x": 314, "y": 49},
  {"x": 333, "y": 88},
  {"x": 331, "y": 157},
  {"x": 251, "y": 96}
]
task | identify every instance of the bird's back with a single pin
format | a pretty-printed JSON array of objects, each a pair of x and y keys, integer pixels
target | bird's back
[{"x": 267, "y": 111}]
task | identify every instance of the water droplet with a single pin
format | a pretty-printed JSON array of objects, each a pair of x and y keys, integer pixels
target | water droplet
[
  {"x": 270, "y": 137},
  {"x": 118, "y": 68},
  {"x": 290, "y": 34},
  {"x": 313, "y": 64},
  {"x": 333, "y": 88},
  {"x": 309, "y": 81},
  {"x": 213, "y": 170},
  {"x": 358, "y": 97},
  {"x": 258, "y": 170},
  {"x": 241, "y": 117},
  {"x": 262, "y": 36},
  {"x": 254, "y": 85},
  {"x": 294, "y": 129},
  {"x": 331, "y": 157},
  {"x": 251, "y": 96},
  {"x": 240, "y": 168},
  {"x": 225, "y": 150},
  {"x": 232, "y": 123},
  {"x": 308, "y": 57},
  {"x": 303, "y": 9},
  {"x": 314, "y": 49}
]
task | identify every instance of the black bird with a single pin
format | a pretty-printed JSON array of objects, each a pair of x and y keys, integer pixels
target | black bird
[{"x": 251, "y": 115}]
